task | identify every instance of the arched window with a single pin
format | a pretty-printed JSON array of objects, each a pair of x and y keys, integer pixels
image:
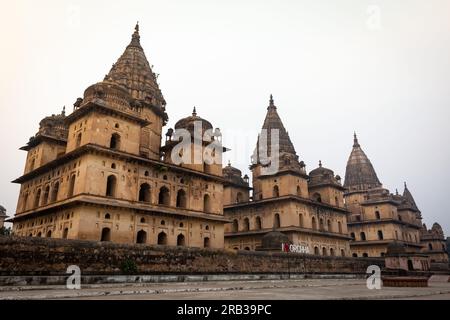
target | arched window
[
  {"x": 396, "y": 234},
  {"x": 363, "y": 236},
  {"x": 336, "y": 201},
  {"x": 380, "y": 235},
  {"x": 49, "y": 233},
  {"x": 300, "y": 220},
  {"x": 111, "y": 186},
  {"x": 65, "y": 233},
  {"x": 206, "y": 242},
  {"x": 181, "y": 199},
  {"x": 164, "y": 196},
  {"x": 107, "y": 216},
  {"x": 46, "y": 195},
  {"x": 317, "y": 197},
  {"x": 430, "y": 246},
  {"x": 37, "y": 198},
  {"x": 258, "y": 224},
  {"x": 246, "y": 224},
  {"x": 25, "y": 200},
  {"x": 324, "y": 251},
  {"x": 377, "y": 215},
  {"x": 115, "y": 141},
  {"x": 206, "y": 203},
  {"x": 235, "y": 225},
  {"x": 142, "y": 220},
  {"x": 365, "y": 255},
  {"x": 162, "y": 238},
  {"x": 71, "y": 189},
  {"x": 239, "y": 197},
  {"x": 247, "y": 249},
  {"x": 146, "y": 173},
  {"x": 181, "y": 240},
  {"x": 39, "y": 234},
  {"x": 316, "y": 251},
  {"x": 55, "y": 191},
  {"x": 276, "y": 221},
  {"x": 355, "y": 255},
  {"x": 106, "y": 234},
  {"x": 299, "y": 193},
  {"x": 330, "y": 229},
  {"x": 113, "y": 165},
  {"x": 141, "y": 237},
  {"x": 78, "y": 143},
  {"x": 332, "y": 252},
  {"x": 321, "y": 227},
  {"x": 314, "y": 223},
  {"x": 340, "y": 227},
  {"x": 144, "y": 193},
  {"x": 276, "y": 192},
  {"x": 342, "y": 253}
]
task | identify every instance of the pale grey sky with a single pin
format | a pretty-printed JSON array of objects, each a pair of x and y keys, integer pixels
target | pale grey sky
[{"x": 378, "y": 67}]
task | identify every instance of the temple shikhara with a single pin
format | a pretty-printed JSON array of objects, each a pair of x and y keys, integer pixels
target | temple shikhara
[{"x": 105, "y": 172}]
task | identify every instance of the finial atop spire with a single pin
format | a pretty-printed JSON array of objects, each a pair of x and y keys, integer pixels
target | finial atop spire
[
  {"x": 135, "y": 39},
  {"x": 320, "y": 163},
  {"x": 63, "y": 112},
  {"x": 194, "y": 112},
  {"x": 355, "y": 140},
  {"x": 396, "y": 191},
  {"x": 405, "y": 185},
  {"x": 271, "y": 101},
  {"x": 229, "y": 163}
]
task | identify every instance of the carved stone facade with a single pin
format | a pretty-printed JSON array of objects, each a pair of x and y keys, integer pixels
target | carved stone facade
[
  {"x": 3, "y": 216},
  {"x": 309, "y": 209},
  {"x": 378, "y": 218},
  {"x": 434, "y": 243},
  {"x": 101, "y": 173}
]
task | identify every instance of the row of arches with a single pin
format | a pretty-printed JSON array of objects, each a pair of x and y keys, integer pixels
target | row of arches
[
  {"x": 362, "y": 235},
  {"x": 321, "y": 226},
  {"x": 48, "y": 194},
  {"x": 141, "y": 238},
  {"x": 325, "y": 252},
  {"x": 164, "y": 197},
  {"x": 276, "y": 191},
  {"x": 257, "y": 225},
  {"x": 48, "y": 234}
]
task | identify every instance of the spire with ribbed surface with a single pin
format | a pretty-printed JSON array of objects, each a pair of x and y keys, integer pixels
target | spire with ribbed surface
[
  {"x": 273, "y": 121},
  {"x": 360, "y": 174},
  {"x": 408, "y": 196},
  {"x": 133, "y": 72}
]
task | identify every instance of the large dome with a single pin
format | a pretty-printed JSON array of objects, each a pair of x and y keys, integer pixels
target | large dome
[{"x": 188, "y": 123}]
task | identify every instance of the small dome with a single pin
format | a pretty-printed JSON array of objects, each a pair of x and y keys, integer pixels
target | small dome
[
  {"x": 321, "y": 171},
  {"x": 188, "y": 123},
  {"x": 273, "y": 240},
  {"x": 233, "y": 174}
]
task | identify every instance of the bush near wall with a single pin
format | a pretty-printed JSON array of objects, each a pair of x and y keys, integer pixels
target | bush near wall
[{"x": 42, "y": 256}]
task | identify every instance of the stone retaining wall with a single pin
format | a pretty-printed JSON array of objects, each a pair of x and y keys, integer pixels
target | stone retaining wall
[{"x": 41, "y": 256}]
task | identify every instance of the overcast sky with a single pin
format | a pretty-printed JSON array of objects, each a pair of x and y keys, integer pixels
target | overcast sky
[{"x": 378, "y": 67}]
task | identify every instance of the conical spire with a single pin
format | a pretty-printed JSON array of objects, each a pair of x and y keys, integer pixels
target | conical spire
[
  {"x": 408, "y": 196},
  {"x": 360, "y": 174},
  {"x": 133, "y": 72},
  {"x": 273, "y": 121}
]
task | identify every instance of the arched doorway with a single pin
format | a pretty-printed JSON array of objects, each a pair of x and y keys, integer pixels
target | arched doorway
[
  {"x": 162, "y": 238},
  {"x": 258, "y": 223},
  {"x": 276, "y": 192},
  {"x": 206, "y": 242},
  {"x": 181, "y": 199},
  {"x": 49, "y": 233},
  {"x": 181, "y": 240},
  {"x": 141, "y": 237},
  {"x": 207, "y": 203},
  {"x": 144, "y": 193},
  {"x": 235, "y": 226},
  {"x": 111, "y": 186},
  {"x": 164, "y": 196},
  {"x": 114, "y": 143},
  {"x": 246, "y": 224},
  {"x": 106, "y": 234}
]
